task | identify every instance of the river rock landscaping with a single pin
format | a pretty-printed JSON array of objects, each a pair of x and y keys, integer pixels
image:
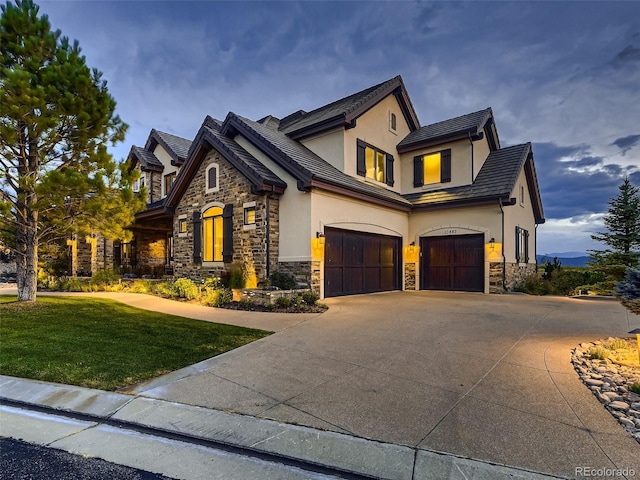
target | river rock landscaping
[{"x": 611, "y": 370}]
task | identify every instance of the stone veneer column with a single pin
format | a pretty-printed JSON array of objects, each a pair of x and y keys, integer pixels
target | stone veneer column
[
  {"x": 496, "y": 284},
  {"x": 410, "y": 276}
]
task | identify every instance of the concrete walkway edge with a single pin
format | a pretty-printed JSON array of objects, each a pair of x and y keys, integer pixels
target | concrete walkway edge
[{"x": 336, "y": 451}]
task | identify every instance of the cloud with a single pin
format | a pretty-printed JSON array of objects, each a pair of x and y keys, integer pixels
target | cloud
[
  {"x": 630, "y": 55},
  {"x": 626, "y": 143}
]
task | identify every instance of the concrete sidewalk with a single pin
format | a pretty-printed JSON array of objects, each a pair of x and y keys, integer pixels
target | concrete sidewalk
[{"x": 321, "y": 454}]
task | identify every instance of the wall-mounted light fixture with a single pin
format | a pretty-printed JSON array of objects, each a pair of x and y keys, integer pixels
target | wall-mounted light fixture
[
  {"x": 412, "y": 247},
  {"x": 492, "y": 243},
  {"x": 320, "y": 237}
]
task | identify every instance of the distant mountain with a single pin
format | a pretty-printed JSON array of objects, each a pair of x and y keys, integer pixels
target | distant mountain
[
  {"x": 567, "y": 260},
  {"x": 565, "y": 254}
]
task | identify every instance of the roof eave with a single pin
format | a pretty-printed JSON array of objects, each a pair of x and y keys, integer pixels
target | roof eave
[
  {"x": 504, "y": 200},
  {"x": 453, "y": 137},
  {"x": 377, "y": 200}
]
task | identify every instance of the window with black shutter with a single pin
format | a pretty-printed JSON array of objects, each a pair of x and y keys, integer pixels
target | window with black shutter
[
  {"x": 374, "y": 163},
  {"x": 432, "y": 168}
]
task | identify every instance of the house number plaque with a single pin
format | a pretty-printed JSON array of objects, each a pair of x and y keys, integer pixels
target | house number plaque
[{"x": 450, "y": 231}]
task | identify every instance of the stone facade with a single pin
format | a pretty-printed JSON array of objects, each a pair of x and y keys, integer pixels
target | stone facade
[
  {"x": 86, "y": 262},
  {"x": 104, "y": 253},
  {"x": 249, "y": 242},
  {"x": 308, "y": 273},
  {"x": 496, "y": 278},
  {"x": 410, "y": 276},
  {"x": 516, "y": 273}
]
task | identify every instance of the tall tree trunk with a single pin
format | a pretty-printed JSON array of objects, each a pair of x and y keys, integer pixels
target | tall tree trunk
[{"x": 27, "y": 259}]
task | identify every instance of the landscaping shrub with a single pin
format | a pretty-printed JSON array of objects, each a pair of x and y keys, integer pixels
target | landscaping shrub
[
  {"x": 185, "y": 288},
  {"x": 533, "y": 285},
  {"x": 236, "y": 277},
  {"x": 635, "y": 388},
  {"x": 283, "y": 281},
  {"x": 599, "y": 353},
  {"x": 629, "y": 290},
  {"x": 164, "y": 289},
  {"x": 618, "y": 344},
  {"x": 283, "y": 302},
  {"x": 71, "y": 285},
  {"x": 105, "y": 277},
  {"x": 310, "y": 298},
  {"x": 141, "y": 286},
  {"x": 216, "y": 297}
]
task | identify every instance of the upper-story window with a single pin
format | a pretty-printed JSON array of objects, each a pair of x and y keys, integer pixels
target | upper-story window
[
  {"x": 212, "y": 178},
  {"x": 169, "y": 179},
  {"x": 138, "y": 184},
  {"x": 432, "y": 168},
  {"x": 392, "y": 122},
  {"x": 522, "y": 195},
  {"x": 374, "y": 163}
]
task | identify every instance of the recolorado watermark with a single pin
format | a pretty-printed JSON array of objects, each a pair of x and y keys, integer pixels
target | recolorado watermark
[{"x": 604, "y": 472}]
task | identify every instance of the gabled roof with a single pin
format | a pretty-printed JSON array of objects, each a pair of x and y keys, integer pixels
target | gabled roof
[
  {"x": 495, "y": 181},
  {"x": 176, "y": 147},
  {"x": 148, "y": 161},
  {"x": 305, "y": 166},
  {"x": 471, "y": 124},
  {"x": 344, "y": 112},
  {"x": 209, "y": 136}
]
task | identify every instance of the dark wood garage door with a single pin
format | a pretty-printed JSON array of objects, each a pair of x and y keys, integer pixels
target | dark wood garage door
[
  {"x": 356, "y": 262},
  {"x": 453, "y": 263}
]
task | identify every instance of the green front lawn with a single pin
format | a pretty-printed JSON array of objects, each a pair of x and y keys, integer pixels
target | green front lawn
[{"x": 104, "y": 344}]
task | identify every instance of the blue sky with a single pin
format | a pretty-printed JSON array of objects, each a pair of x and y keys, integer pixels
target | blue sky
[{"x": 562, "y": 75}]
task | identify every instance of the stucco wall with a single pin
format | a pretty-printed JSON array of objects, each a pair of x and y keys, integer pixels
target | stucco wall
[
  {"x": 328, "y": 146},
  {"x": 373, "y": 128},
  {"x": 162, "y": 155},
  {"x": 521, "y": 215},
  {"x": 461, "y": 164}
]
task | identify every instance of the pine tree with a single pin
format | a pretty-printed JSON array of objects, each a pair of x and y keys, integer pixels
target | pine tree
[
  {"x": 56, "y": 121},
  {"x": 623, "y": 229}
]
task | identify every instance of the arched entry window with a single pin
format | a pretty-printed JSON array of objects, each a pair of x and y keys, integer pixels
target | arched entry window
[{"x": 212, "y": 229}]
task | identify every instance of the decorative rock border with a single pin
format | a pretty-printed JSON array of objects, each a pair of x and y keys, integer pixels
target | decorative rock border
[{"x": 610, "y": 383}]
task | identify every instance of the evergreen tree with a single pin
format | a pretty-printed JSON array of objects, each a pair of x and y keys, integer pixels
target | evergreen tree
[
  {"x": 56, "y": 121},
  {"x": 623, "y": 229}
]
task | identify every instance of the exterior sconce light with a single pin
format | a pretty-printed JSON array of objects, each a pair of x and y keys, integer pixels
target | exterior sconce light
[
  {"x": 412, "y": 247},
  {"x": 320, "y": 237},
  {"x": 637, "y": 332},
  {"x": 492, "y": 243}
]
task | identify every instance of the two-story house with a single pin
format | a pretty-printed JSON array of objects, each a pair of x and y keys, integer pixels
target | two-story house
[{"x": 352, "y": 197}]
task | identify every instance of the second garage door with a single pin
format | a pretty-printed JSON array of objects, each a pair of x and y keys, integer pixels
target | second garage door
[
  {"x": 356, "y": 262},
  {"x": 452, "y": 263}
]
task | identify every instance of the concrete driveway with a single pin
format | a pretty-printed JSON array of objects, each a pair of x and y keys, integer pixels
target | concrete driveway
[{"x": 484, "y": 377}]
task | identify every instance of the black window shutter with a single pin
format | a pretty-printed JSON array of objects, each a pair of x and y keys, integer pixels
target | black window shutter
[
  {"x": 526, "y": 246},
  {"x": 517, "y": 244},
  {"x": 227, "y": 233},
  {"x": 361, "y": 165},
  {"x": 445, "y": 166},
  {"x": 389, "y": 169},
  {"x": 197, "y": 237},
  {"x": 418, "y": 171}
]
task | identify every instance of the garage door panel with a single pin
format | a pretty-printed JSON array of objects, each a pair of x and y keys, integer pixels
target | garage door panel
[
  {"x": 358, "y": 262},
  {"x": 453, "y": 263}
]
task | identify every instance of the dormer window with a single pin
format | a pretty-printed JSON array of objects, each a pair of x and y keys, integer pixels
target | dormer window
[
  {"x": 374, "y": 163},
  {"x": 432, "y": 168}
]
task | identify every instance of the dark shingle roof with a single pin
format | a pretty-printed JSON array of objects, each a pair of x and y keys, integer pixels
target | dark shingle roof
[
  {"x": 147, "y": 159},
  {"x": 242, "y": 158},
  {"x": 178, "y": 145},
  {"x": 496, "y": 179},
  {"x": 345, "y": 109},
  {"x": 471, "y": 122},
  {"x": 305, "y": 165}
]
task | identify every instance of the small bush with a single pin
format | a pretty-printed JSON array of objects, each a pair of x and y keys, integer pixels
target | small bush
[
  {"x": 71, "y": 285},
  {"x": 283, "y": 281},
  {"x": 599, "y": 353},
  {"x": 141, "y": 286},
  {"x": 164, "y": 289},
  {"x": 245, "y": 304},
  {"x": 236, "y": 277},
  {"x": 283, "y": 302},
  {"x": 310, "y": 298},
  {"x": 635, "y": 388},
  {"x": 185, "y": 288},
  {"x": 213, "y": 283},
  {"x": 105, "y": 277},
  {"x": 216, "y": 297},
  {"x": 618, "y": 344},
  {"x": 533, "y": 285}
]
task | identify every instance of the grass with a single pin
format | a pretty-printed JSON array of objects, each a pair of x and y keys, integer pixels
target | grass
[{"x": 104, "y": 344}]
